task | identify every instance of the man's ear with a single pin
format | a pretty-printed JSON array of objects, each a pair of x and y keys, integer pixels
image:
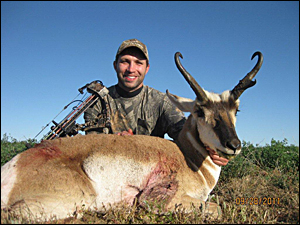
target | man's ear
[
  {"x": 147, "y": 69},
  {"x": 115, "y": 65}
]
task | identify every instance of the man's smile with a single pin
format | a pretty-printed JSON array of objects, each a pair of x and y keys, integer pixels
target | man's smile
[{"x": 130, "y": 78}]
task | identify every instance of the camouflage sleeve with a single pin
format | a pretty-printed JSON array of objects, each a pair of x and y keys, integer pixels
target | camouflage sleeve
[
  {"x": 91, "y": 114},
  {"x": 174, "y": 118}
]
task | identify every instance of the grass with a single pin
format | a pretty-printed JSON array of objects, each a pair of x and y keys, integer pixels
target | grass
[{"x": 261, "y": 185}]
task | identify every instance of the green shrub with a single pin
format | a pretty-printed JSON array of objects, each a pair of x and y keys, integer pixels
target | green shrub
[
  {"x": 252, "y": 160},
  {"x": 277, "y": 155},
  {"x": 11, "y": 146}
]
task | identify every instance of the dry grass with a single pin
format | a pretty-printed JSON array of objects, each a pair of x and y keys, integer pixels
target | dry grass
[{"x": 281, "y": 205}]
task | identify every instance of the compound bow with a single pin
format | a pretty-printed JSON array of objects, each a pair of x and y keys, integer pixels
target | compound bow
[{"x": 69, "y": 127}]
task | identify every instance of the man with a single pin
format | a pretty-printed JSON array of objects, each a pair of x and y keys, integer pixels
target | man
[{"x": 134, "y": 107}]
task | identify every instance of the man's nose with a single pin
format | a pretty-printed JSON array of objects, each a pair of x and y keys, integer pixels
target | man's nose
[{"x": 131, "y": 67}]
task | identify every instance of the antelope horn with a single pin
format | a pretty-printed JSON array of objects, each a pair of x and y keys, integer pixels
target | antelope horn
[
  {"x": 192, "y": 82},
  {"x": 247, "y": 82}
]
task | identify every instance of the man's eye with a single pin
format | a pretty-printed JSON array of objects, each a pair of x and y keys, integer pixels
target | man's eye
[{"x": 123, "y": 61}]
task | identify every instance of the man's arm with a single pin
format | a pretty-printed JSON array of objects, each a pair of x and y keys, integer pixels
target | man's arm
[
  {"x": 92, "y": 113},
  {"x": 173, "y": 118}
]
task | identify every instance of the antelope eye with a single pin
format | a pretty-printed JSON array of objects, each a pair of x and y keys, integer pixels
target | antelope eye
[
  {"x": 236, "y": 111},
  {"x": 217, "y": 124},
  {"x": 200, "y": 113}
]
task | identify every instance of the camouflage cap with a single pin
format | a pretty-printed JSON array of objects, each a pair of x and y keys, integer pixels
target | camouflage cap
[{"x": 133, "y": 43}]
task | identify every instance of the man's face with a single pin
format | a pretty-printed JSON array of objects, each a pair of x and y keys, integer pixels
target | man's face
[{"x": 131, "y": 68}]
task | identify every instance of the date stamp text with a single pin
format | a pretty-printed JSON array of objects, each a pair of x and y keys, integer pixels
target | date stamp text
[{"x": 257, "y": 201}]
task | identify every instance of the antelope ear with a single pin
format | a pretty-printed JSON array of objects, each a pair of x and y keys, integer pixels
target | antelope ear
[{"x": 184, "y": 104}]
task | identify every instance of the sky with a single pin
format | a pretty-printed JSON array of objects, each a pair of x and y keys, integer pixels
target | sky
[{"x": 50, "y": 49}]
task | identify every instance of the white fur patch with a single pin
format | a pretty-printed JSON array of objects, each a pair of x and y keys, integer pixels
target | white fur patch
[
  {"x": 8, "y": 178},
  {"x": 212, "y": 96},
  {"x": 115, "y": 179},
  {"x": 225, "y": 96}
]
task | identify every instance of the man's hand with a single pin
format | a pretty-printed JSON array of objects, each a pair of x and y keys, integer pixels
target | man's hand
[
  {"x": 220, "y": 161},
  {"x": 125, "y": 133}
]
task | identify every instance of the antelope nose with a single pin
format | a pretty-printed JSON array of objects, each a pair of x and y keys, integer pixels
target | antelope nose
[{"x": 233, "y": 144}]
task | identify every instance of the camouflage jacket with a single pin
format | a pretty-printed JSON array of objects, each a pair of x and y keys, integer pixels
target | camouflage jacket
[{"x": 148, "y": 113}]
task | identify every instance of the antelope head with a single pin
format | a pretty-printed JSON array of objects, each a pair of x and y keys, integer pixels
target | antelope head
[{"x": 215, "y": 114}]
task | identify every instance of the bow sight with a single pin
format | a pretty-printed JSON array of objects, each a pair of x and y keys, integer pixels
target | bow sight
[{"x": 69, "y": 127}]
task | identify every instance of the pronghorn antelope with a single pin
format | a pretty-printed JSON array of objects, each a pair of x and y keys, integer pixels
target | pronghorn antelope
[{"x": 98, "y": 171}]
